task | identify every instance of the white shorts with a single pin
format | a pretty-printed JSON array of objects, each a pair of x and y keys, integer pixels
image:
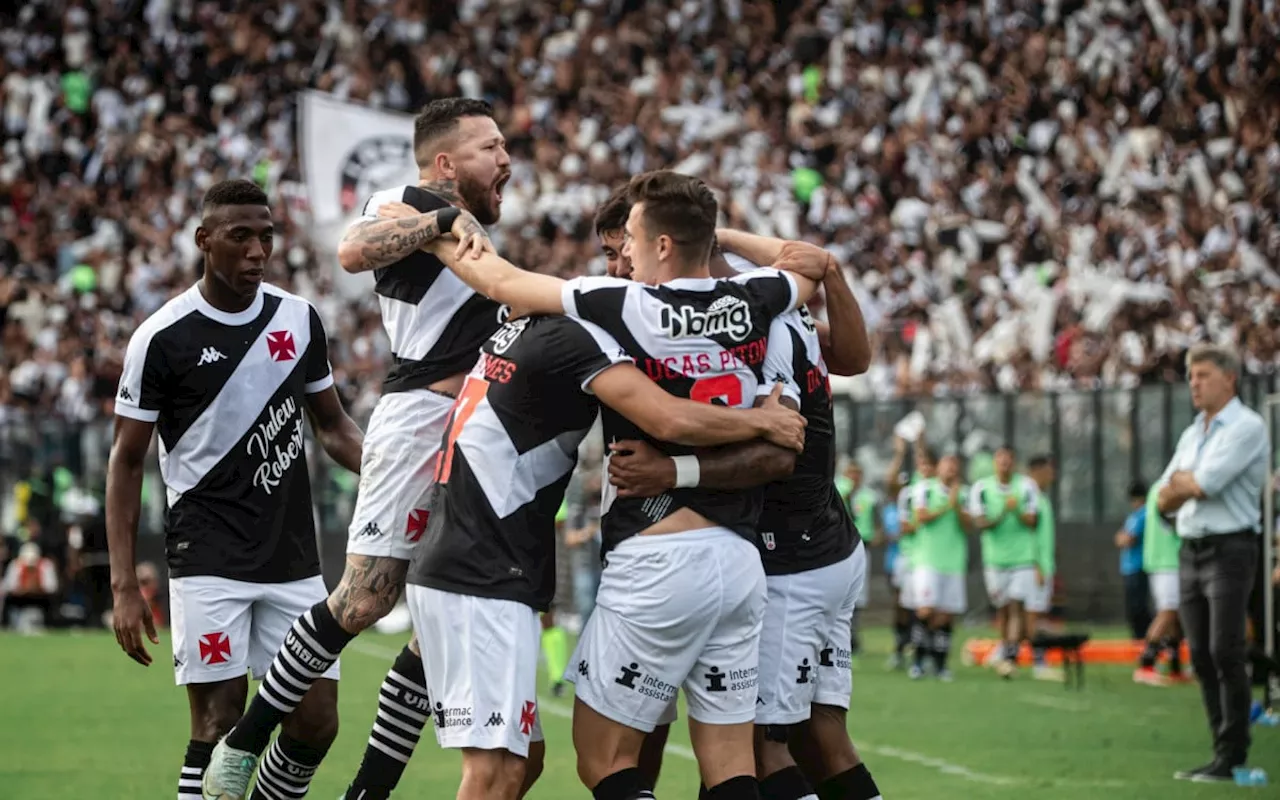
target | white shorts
[
  {"x": 806, "y": 629},
  {"x": 397, "y": 468},
  {"x": 940, "y": 591},
  {"x": 1165, "y": 594},
  {"x": 904, "y": 579},
  {"x": 1041, "y": 595},
  {"x": 1009, "y": 585},
  {"x": 222, "y": 628},
  {"x": 678, "y": 610},
  {"x": 480, "y": 659},
  {"x": 864, "y": 594}
]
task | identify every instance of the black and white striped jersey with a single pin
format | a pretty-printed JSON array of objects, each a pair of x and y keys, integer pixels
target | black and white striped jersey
[
  {"x": 509, "y": 450},
  {"x": 699, "y": 338},
  {"x": 226, "y": 392},
  {"x": 435, "y": 322},
  {"x": 804, "y": 525}
]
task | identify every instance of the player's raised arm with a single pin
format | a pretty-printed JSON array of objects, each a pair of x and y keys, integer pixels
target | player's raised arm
[
  {"x": 393, "y": 230},
  {"x": 846, "y": 347},
  {"x": 667, "y": 418},
  {"x": 806, "y": 263},
  {"x": 124, "y": 499},
  {"x": 498, "y": 279}
]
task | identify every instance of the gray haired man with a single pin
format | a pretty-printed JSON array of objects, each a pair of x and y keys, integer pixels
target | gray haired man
[{"x": 1214, "y": 486}]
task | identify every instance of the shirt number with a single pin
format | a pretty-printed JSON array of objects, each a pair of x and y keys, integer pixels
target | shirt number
[
  {"x": 725, "y": 388},
  {"x": 473, "y": 391}
]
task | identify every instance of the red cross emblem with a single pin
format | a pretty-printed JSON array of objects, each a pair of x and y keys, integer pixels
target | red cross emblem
[
  {"x": 417, "y": 524},
  {"x": 215, "y": 648},
  {"x": 280, "y": 345},
  {"x": 527, "y": 717}
]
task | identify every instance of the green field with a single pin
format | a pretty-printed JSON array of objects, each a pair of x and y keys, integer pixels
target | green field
[{"x": 81, "y": 720}]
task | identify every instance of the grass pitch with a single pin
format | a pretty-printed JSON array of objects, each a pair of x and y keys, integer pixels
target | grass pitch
[{"x": 79, "y": 719}]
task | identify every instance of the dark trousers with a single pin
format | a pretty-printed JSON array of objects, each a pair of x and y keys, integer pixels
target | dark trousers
[
  {"x": 1216, "y": 576},
  {"x": 1137, "y": 603}
]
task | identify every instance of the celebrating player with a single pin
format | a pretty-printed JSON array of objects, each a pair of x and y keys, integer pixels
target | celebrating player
[
  {"x": 941, "y": 555},
  {"x": 907, "y": 627},
  {"x": 673, "y": 610},
  {"x": 436, "y": 326},
  {"x": 225, "y": 372},
  {"x": 486, "y": 565}
]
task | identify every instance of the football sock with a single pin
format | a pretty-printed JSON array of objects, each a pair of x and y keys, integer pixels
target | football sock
[
  {"x": 1150, "y": 651},
  {"x": 787, "y": 784},
  {"x": 942, "y": 645},
  {"x": 919, "y": 640},
  {"x": 901, "y": 635},
  {"x": 286, "y": 771},
  {"x": 626, "y": 784},
  {"x": 1174, "y": 645},
  {"x": 555, "y": 648},
  {"x": 310, "y": 648},
  {"x": 193, "y": 769},
  {"x": 743, "y": 787},
  {"x": 854, "y": 784},
  {"x": 1011, "y": 652},
  {"x": 403, "y": 710}
]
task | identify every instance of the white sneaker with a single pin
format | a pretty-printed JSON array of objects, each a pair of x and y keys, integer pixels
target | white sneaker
[
  {"x": 227, "y": 776},
  {"x": 915, "y": 673}
]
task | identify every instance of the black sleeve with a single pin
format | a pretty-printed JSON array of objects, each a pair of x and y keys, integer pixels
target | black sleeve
[
  {"x": 140, "y": 395},
  {"x": 599, "y": 300},
  {"x": 319, "y": 373},
  {"x": 770, "y": 289},
  {"x": 581, "y": 350}
]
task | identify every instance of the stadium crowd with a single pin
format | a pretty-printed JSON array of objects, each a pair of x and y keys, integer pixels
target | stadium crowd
[{"x": 1033, "y": 195}]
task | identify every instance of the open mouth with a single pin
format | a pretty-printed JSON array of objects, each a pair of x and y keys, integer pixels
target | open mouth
[{"x": 499, "y": 185}]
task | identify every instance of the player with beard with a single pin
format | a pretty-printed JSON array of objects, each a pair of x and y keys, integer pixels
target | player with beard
[
  {"x": 226, "y": 374},
  {"x": 807, "y": 536},
  {"x": 436, "y": 325},
  {"x": 682, "y": 593}
]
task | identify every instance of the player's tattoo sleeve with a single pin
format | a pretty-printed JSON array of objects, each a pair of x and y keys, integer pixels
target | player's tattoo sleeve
[
  {"x": 369, "y": 589},
  {"x": 373, "y": 244}
]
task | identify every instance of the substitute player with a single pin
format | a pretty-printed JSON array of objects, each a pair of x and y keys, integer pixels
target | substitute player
[
  {"x": 682, "y": 592},
  {"x": 436, "y": 326},
  {"x": 226, "y": 373},
  {"x": 1042, "y": 470},
  {"x": 941, "y": 556},
  {"x": 1160, "y": 552},
  {"x": 906, "y": 630},
  {"x": 1003, "y": 507},
  {"x": 486, "y": 565}
]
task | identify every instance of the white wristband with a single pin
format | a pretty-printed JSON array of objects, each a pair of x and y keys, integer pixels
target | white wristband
[{"x": 688, "y": 473}]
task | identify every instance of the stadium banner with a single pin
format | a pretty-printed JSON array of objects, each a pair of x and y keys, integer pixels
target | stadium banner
[{"x": 348, "y": 151}]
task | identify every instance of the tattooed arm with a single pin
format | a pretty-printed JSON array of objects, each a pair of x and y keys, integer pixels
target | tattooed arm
[
  {"x": 369, "y": 589},
  {"x": 399, "y": 229}
]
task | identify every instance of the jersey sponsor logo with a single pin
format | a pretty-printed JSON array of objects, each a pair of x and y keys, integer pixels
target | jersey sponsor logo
[
  {"x": 209, "y": 355},
  {"x": 727, "y": 316},
  {"x": 374, "y": 163},
  {"x": 824, "y": 657},
  {"x": 507, "y": 335},
  {"x": 280, "y": 345},
  {"x": 215, "y": 648},
  {"x": 416, "y": 525},
  {"x": 527, "y": 717},
  {"x": 628, "y": 676},
  {"x": 263, "y": 444}
]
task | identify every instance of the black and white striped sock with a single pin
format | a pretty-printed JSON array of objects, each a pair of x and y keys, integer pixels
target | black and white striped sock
[
  {"x": 193, "y": 767},
  {"x": 310, "y": 648},
  {"x": 403, "y": 710},
  {"x": 286, "y": 771}
]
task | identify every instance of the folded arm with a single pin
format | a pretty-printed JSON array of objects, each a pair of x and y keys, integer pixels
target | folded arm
[{"x": 807, "y": 263}]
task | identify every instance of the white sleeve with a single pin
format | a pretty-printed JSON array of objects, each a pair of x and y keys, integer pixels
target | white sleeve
[
  {"x": 143, "y": 379},
  {"x": 1030, "y": 497},
  {"x": 779, "y": 361},
  {"x": 976, "y": 506}
]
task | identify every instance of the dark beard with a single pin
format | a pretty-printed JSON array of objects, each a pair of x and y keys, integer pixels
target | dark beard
[{"x": 477, "y": 199}]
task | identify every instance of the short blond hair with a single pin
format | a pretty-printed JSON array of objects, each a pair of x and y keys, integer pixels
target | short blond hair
[{"x": 1224, "y": 358}]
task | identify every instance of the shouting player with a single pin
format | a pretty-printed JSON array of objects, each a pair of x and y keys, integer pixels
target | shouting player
[
  {"x": 682, "y": 593},
  {"x": 436, "y": 326},
  {"x": 225, "y": 373},
  {"x": 486, "y": 565}
]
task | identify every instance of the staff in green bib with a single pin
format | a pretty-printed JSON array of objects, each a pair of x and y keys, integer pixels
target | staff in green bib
[
  {"x": 1004, "y": 507},
  {"x": 1160, "y": 551},
  {"x": 899, "y": 484},
  {"x": 941, "y": 554},
  {"x": 1044, "y": 472}
]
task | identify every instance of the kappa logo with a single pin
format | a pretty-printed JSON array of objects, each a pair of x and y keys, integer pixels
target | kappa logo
[
  {"x": 124, "y": 393},
  {"x": 370, "y": 531},
  {"x": 584, "y": 669},
  {"x": 727, "y": 316},
  {"x": 495, "y": 720},
  {"x": 209, "y": 355},
  {"x": 281, "y": 347},
  {"x": 215, "y": 648}
]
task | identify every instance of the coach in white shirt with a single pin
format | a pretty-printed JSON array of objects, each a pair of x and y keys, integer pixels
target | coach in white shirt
[{"x": 1214, "y": 484}]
